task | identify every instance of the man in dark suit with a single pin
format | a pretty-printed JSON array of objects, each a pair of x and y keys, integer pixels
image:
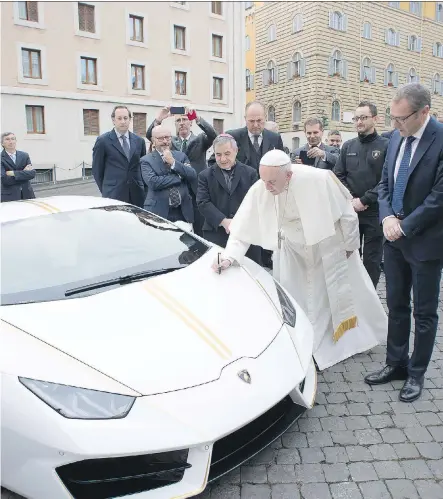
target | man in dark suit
[
  {"x": 387, "y": 135},
  {"x": 324, "y": 156},
  {"x": 17, "y": 171},
  {"x": 411, "y": 211},
  {"x": 170, "y": 179},
  {"x": 221, "y": 189},
  {"x": 253, "y": 140},
  {"x": 116, "y": 160}
]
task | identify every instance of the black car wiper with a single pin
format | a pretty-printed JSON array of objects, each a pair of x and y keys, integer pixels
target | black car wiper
[{"x": 124, "y": 279}]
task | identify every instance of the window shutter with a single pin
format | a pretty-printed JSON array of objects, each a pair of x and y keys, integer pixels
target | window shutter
[
  {"x": 276, "y": 74},
  {"x": 344, "y": 71},
  {"x": 386, "y": 77},
  {"x": 418, "y": 44},
  {"x": 251, "y": 80},
  {"x": 362, "y": 73},
  {"x": 265, "y": 74},
  {"x": 302, "y": 67},
  {"x": 289, "y": 70},
  {"x": 441, "y": 88},
  {"x": 344, "y": 22},
  {"x": 331, "y": 13},
  {"x": 331, "y": 66},
  {"x": 32, "y": 11},
  {"x": 397, "y": 39},
  {"x": 395, "y": 79},
  {"x": 409, "y": 43},
  {"x": 373, "y": 74}
]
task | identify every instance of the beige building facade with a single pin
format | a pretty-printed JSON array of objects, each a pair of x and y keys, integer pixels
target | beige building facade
[
  {"x": 65, "y": 65},
  {"x": 320, "y": 59}
]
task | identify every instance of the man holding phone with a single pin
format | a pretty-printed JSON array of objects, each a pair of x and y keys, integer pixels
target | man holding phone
[
  {"x": 315, "y": 153},
  {"x": 194, "y": 146}
]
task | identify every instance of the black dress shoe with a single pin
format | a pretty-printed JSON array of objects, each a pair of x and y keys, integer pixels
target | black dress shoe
[
  {"x": 411, "y": 389},
  {"x": 388, "y": 373}
]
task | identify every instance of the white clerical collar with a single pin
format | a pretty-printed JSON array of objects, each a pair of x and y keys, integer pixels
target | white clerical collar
[{"x": 419, "y": 133}]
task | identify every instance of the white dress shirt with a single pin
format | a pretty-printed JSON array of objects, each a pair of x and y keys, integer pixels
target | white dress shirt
[
  {"x": 13, "y": 156},
  {"x": 418, "y": 135},
  {"x": 251, "y": 138}
]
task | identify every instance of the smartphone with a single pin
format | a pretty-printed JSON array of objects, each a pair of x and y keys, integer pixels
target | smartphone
[
  {"x": 305, "y": 159},
  {"x": 192, "y": 116},
  {"x": 177, "y": 110}
]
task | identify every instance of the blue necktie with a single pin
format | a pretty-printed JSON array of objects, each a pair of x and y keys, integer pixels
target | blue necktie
[{"x": 402, "y": 176}]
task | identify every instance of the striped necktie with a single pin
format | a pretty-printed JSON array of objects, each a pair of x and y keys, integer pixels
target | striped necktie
[{"x": 402, "y": 177}]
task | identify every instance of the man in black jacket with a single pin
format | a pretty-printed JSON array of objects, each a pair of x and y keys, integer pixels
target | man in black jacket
[
  {"x": 220, "y": 192},
  {"x": 359, "y": 168}
]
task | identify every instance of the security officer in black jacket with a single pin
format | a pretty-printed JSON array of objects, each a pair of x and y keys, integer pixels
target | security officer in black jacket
[{"x": 359, "y": 168}]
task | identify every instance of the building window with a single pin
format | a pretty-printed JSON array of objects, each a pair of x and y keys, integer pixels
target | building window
[
  {"x": 335, "y": 113},
  {"x": 180, "y": 82},
  {"x": 139, "y": 124},
  {"x": 218, "y": 125},
  {"x": 272, "y": 33},
  {"x": 136, "y": 28},
  {"x": 249, "y": 80},
  {"x": 338, "y": 21},
  {"x": 394, "y": 5},
  {"x": 367, "y": 73},
  {"x": 91, "y": 122},
  {"x": 388, "y": 117},
  {"x": 32, "y": 63},
  {"x": 391, "y": 76},
  {"x": 439, "y": 12},
  {"x": 270, "y": 74},
  {"x": 392, "y": 38},
  {"x": 412, "y": 76},
  {"x": 28, "y": 11},
  {"x": 415, "y": 8},
  {"x": 367, "y": 31},
  {"x": 297, "y": 23},
  {"x": 437, "y": 50},
  {"x": 437, "y": 86},
  {"x": 217, "y": 46},
  {"x": 271, "y": 113},
  {"x": 247, "y": 43},
  {"x": 138, "y": 77},
  {"x": 338, "y": 66},
  {"x": 296, "y": 112},
  {"x": 217, "y": 8},
  {"x": 179, "y": 37},
  {"x": 297, "y": 66},
  {"x": 217, "y": 88},
  {"x": 414, "y": 43},
  {"x": 89, "y": 71},
  {"x": 86, "y": 17},
  {"x": 35, "y": 119}
]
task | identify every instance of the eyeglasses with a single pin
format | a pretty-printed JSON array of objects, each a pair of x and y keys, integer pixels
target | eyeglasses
[
  {"x": 401, "y": 121},
  {"x": 360, "y": 118},
  {"x": 165, "y": 137}
]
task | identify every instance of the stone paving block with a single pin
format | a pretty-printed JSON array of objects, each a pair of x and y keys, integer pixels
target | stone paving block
[
  {"x": 439, "y": 404},
  {"x": 389, "y": 470},
  {"x": 402, "y": 489},
  {"x": 353, "y": 376},
  {"x": 379, "y": 397},
  {"x": 424, "y": 406},
  {"x": 288, "y": 456},
  {"x": 402, "y": 408},
  {"x": 331, "y": 377},
  {"x": 383, "y": 452},
  {"x": 254, "y": 474},
  {"x": 225, "y": 492},
  {"x": 296, "y": 440},
  {"x": 436, "y": 432},
  {"x": 356, "y": 422},
  {"x": 358, "y": 397},
  {"x": 337, "y": 410},
  {"x": 309, "y": 473},
  {"x": 338, "y": 472},
  {"x": 285, "y": 491},
  {"x": 374, "y": 490},
  {"x": 318, "y": 411},
  {"x": 430, "y": 450},
  {"x": 406, "y": 451},
  {"x": 338, "y": 387},
  {"x": 416, "y": 468},
  {"x": 311, "y": 424},
  {"x": 345, "y": 490},
  {"x": 315, "y": 491},
  {"x": 332, "y": 423},
  {"x": 231, "y": 478},
  {"x": 281, "y": 473},
  {"x": 320, "y": 398},
  {"x": 358, "y": 453},
  {"x": 335, "y": 454},
  {"x": 362, "y": 472},
  {"x": 380, "y": 407},
  {"x": 437, "y": 468},
  {"x": 319, "y": 439},
  {"x": 367, "y": 437},
  {"x": 358, "y": 409},
  {"x": 337, "y": 398},
  {"x": 255, "y": 492},
  {"x": 312, "y": 455},
  {"x": 405, "y": 420},
  {"x": 418, "y": 434},
  {"x": 380, "y": 421},
  {"x": 428, "y": 489},
  {"x": 343, "y": 437},
  {"x": 392, "y": 435}
]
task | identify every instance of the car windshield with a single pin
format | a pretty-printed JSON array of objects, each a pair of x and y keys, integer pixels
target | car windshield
[{"x": 44, "y": 257}]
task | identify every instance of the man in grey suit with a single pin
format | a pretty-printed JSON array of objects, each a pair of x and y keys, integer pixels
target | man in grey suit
[
  {"x": 116, "y": 161},
  {"x": 17, "y": 171},
  {"x": 322, "y": 155}
]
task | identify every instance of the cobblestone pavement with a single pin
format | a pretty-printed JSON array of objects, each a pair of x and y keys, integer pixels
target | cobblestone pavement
[
  {"x": 358, "y": 442},
  {"x": 81, "y": 188}
]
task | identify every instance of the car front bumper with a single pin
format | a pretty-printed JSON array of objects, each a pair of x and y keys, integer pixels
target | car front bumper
[{"x": 38, "y": 444}]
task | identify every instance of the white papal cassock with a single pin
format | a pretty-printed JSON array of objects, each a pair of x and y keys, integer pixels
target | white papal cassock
[{"x": 318, "y": 224}]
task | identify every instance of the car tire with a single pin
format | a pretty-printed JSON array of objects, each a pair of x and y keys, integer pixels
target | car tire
[{"x": 6, "y": 494}]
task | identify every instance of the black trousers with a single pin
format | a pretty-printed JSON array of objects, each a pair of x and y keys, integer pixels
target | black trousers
[
  {"x": 371, "y": 236},
  {"x": 220, "y": 238},
  {"x": 403, "y": 272},
  {"x": 175, "y": 214}
]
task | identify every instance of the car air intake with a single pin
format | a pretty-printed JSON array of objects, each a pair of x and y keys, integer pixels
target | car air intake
[{"x": 121, "y": 476}]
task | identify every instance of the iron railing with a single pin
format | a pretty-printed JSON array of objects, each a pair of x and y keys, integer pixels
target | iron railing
[{"x": 46, "y": 174}]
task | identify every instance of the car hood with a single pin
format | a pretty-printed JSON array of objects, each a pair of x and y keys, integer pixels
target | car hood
[{"x": 166, "y": 333}]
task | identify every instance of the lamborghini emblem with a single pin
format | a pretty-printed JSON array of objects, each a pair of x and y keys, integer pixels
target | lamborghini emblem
[
  {"x": 376, "y": 154},
  {"x": 245, "y": 376}
]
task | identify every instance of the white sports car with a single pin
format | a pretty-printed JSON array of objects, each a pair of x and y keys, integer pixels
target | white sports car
[{"x": 129, "y": 367}]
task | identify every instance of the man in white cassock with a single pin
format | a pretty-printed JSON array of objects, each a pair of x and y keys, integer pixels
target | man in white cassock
[{"x": 306, "y": 217}]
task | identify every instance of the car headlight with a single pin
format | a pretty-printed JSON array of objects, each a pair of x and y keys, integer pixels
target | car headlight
[
  {"x": 80, "y": 403},
  {"x": 288, "y": 310}
]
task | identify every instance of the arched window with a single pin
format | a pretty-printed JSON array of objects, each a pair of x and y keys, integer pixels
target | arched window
[
  {"x": 247, "y": 43},
  {"x": 388, "y": 117},
  {"x": 413, "y": 43},
  {"x": 437, "y": 49},
  {"x": 335, "y": 112},
  {"x": 336, "y": 57},
  {"x": 272, "y": 72},
  {"x": 367, "y": 31},
  {"x": 439, "y": 12},
  {"x": 296, "y": 66},
  {"x": 391, "y": 76},
  {"x": 366, "y": 71},
  {"x": 415, "y": 8},
  {"x": 297, "y": 23},
  {"x": 412, "y": 76},
  {"x": 272, "y": 33},
  {"x": 437, "y": 87},
  {"x": 249, "y": 80},
  {"x": 337, "y": 21},
  {"x": 296, "y": 112},
  {"x": 391, "y": 37},
  {"x": 271, "y": 113}
]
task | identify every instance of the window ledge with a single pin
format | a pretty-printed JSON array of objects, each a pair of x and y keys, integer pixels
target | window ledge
[
  {"x": 36, "y": 136},
  {"x": 132, "y": 91},
  {"x": 87, "y": 34},
  {"x": 29, "y": 24},
  {"x": 83, "y": 86},
  {"x": 181, "y": 97},
  {"x": 134, "y": 43},
  {"x": 180, "y": 52},
  {"x": 218, "y": 59},
  {"x": 33, "y": 81}
]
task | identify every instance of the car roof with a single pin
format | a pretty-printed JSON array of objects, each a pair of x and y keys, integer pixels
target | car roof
[{"x": 18, "y": 210}]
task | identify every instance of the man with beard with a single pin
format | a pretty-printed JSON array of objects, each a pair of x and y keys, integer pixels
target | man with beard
[
  {"x": 359, "y": 168},
  {"x": 319, "y": 154}
]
